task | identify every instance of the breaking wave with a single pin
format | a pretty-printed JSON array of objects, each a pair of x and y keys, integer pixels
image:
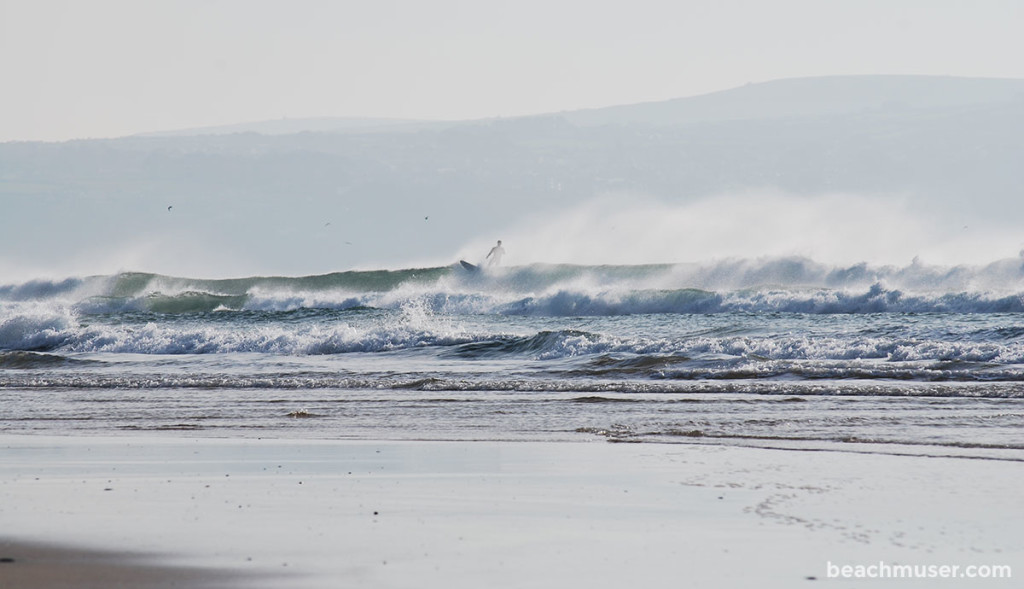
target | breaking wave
[
  {"x": 768, "y": 319},
  {"x": 786, "y": 285}
]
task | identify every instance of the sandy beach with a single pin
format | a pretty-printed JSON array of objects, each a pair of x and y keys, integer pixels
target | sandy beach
[{"x": 177, "y": 512}]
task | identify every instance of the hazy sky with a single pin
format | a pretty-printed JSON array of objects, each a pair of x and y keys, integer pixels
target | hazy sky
[{"x": 96, "y": 68}]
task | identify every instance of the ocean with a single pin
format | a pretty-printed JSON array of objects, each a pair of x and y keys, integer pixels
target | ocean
[{"x": 764, "y": 352}]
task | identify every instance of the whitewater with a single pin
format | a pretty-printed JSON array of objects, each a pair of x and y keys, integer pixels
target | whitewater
[{"x": 742, "y": 351}]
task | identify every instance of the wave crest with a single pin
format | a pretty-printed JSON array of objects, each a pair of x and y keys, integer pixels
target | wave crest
[{"x": 787, "y": 285}]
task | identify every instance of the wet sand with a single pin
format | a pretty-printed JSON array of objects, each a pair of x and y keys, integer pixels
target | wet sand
[
  {"x": 39, "y": 566},
  {"x": 176, "y": 512}
]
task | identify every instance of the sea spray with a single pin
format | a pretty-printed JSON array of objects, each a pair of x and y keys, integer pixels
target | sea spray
[{"x": 790, "y": 284}]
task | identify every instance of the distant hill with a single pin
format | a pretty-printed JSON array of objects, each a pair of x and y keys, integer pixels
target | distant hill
[
  {"x": 788, "y": 98},
  {"x": 811, "y": 97},
  {"x": 307, "y": 194},
  {"x": 291, "y": 126}
]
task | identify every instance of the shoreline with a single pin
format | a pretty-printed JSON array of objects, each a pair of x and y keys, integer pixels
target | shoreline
[{"x": 355, "y": 513}]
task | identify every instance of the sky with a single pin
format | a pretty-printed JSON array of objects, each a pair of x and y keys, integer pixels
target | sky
[{"x": 104, "y": 68}]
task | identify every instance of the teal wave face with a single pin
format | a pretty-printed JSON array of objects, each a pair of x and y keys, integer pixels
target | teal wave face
[
  {"x": 22, "y": 360},
  {"x": 132, "y": 284}
]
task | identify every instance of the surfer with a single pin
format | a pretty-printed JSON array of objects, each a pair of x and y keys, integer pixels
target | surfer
[{"x": 496, "y": 251}]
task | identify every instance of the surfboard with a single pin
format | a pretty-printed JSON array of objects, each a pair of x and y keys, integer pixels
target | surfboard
[{"x": 469, "y": 267}]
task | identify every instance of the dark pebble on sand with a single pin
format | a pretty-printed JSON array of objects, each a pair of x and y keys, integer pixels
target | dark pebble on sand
[{"x": 6, "y": 560}]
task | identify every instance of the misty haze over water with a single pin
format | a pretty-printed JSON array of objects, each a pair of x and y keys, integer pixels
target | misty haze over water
[{"x": 865, "y": 168}]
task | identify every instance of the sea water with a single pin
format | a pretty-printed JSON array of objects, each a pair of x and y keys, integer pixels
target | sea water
[{"x": 775, "y": 351}]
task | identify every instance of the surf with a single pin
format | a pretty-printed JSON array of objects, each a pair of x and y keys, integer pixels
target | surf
[{"x": 774, "y": 285}]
